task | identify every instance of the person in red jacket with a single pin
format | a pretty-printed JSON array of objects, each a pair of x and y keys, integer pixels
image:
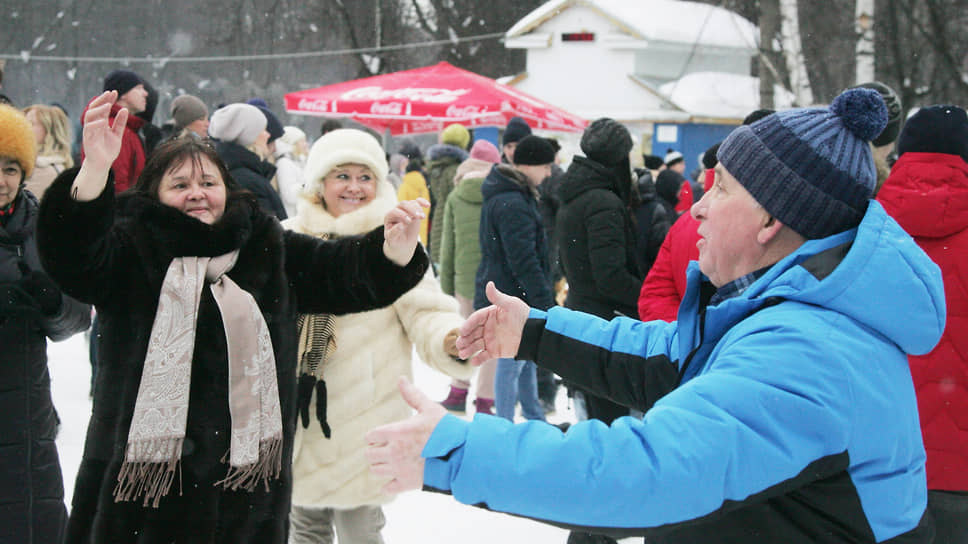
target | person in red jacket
[
  {"x": 927, "y": 193},
  {"x": 133, "y": 96},
  {"x": 665, "y": 283}
]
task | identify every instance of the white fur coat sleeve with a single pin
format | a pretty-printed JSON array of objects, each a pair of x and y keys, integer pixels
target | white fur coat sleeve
[{"x": 427, "y": 315}]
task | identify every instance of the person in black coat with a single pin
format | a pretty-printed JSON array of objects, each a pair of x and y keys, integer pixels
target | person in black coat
[
  {"x": 242, "y": 134},
  {"x": 514, "y": 254},
  {"x": 32, "y": 309},
  {"x": 651, "y": 223},
  {"x": 176, "y": 477},
  {"x": 597, "y": 244}
]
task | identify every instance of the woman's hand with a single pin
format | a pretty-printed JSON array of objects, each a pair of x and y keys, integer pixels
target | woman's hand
[
  {"x": 401, "y": 230},
  {"x": 102, "y": 144}
]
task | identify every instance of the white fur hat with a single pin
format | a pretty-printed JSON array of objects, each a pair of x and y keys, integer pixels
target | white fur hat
[
  {"x": 343, "y": 146},
  {"x": 239, "y": 123}
]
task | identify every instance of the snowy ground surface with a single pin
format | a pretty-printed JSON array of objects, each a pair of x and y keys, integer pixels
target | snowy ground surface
[{"x": 427, "y": 518}]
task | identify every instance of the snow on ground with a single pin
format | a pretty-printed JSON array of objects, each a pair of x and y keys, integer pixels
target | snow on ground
[{"x": 416, "y": 516}]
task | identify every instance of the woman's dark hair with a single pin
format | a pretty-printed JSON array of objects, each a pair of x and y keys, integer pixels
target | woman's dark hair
[{"x": 172, "y": 154}]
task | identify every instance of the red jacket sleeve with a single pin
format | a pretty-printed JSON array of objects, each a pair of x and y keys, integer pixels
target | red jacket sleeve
[{"x": 665, "y": 285}]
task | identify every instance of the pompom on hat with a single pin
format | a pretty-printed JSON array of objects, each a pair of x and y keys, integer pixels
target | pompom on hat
[
  {"x": 343, "y": 146},
  {"x": 238, "y": 123},
  {"x": 811, "y": 168},
  {"x": 17, "y": 138},
  {"x": 893, "y": 103}
]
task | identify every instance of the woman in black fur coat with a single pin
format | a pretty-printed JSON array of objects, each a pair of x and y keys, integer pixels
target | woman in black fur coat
[{"x": 197, "y": 289}]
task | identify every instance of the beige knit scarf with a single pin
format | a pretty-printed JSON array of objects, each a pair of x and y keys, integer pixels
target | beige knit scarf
[{"x": 161, "y": 411}]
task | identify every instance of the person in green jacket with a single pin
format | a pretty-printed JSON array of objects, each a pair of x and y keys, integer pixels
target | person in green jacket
[
  {"x": 442, "y": 162},
  {"x": 460, "y": 253}
]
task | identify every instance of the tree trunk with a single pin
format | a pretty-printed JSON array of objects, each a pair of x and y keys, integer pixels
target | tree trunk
[
  {"x": 793, "y": 52},
  {"x": 864, "y": 25},
  {"x": 769, "y": 25}
]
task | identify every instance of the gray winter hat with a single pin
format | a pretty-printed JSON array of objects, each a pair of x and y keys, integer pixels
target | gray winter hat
[{"x": 186, "y": 109}]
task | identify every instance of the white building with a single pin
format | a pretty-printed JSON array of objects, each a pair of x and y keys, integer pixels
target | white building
[{"x": 644, "y": 63}]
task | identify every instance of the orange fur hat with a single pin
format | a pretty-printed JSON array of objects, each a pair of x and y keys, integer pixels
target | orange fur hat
[{"x": 17, "y": 138}]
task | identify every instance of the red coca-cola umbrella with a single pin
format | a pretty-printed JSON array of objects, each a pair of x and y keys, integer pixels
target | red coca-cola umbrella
[{"x": 428, "y": 99}]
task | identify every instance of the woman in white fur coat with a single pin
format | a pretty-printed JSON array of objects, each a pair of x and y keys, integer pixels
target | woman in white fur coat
[{"x": 349, "y": 365}]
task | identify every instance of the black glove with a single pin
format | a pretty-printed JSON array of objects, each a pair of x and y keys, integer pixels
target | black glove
[
  {"x": 43, "y": 290},
  {"x": 15, "y": 302}
]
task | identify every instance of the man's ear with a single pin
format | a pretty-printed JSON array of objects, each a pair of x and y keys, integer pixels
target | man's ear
[{"x": 769, "y": 230}]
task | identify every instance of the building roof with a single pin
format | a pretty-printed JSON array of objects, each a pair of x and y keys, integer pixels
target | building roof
[{"x": 675, "y": 21}]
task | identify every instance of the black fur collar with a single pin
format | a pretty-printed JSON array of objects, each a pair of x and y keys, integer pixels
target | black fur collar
[{"x": 178, "y": 234}]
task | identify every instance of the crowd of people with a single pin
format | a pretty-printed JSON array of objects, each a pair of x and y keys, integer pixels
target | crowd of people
[{"x": 766, "y": 350}]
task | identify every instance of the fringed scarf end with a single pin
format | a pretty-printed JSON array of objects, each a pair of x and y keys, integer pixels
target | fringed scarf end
[
  {"x": 153, "y": 480},
  {"x": 267, "y": 467}
]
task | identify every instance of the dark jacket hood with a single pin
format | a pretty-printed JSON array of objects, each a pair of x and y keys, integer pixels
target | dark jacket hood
[
  {"x": 584, "y": 175},
  {"x": 446, "y": 151},
  {"x": 927, "y": 193}
]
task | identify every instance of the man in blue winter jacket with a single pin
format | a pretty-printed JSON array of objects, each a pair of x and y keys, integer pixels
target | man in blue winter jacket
[{"x": 778, "y": 408}]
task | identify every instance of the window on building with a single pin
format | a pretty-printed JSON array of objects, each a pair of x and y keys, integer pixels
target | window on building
[{"x": 578, "y": 36}]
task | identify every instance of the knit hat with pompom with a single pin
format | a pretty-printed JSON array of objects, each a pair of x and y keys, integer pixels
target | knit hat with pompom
[{"x": 811, "y": 168}]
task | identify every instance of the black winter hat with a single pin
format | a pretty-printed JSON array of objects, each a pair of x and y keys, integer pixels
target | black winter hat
[
  {"x": 936, "y": 129},
  {"x": 516, "y": 130},
  {"x": 121, "y": 81},
  {"x": 410, "y": 149},
  {"x": 668, "y": 183},
  {"x": 652, "y": 162},
  {"x": 606, "y": 141},
  {"x": 709, "y": 159},
  {"x": 534, "y": 150},
  {"x": 893, "y": 103},
  {"x": 272, "y": 122},
  {"x": 756, "y": 115}
]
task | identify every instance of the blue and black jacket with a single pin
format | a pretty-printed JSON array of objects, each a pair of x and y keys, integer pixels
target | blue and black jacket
[{"x": 785, "y": 414}]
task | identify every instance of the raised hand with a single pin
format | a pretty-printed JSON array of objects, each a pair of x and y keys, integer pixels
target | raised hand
[
  {"x": 102, "y": 144},
  {"x": 393, "y": 450},
  {"x": 401, "y": 230},
  {"x": 494, "y": 331},
  {"x": 102, "y": 141}
]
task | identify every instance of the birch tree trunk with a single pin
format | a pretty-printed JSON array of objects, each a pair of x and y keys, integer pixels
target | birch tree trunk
[
  {"x": 864, "y": 25},
  {"x": 793, "y": 53}
]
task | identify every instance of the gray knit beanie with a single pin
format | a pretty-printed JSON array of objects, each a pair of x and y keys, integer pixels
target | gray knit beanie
[
  {"x": 811, "y": 168},
  {"x": 238, "y": 123}
]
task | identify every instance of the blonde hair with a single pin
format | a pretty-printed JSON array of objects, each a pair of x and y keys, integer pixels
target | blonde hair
[{"x": 59, "y": 135}]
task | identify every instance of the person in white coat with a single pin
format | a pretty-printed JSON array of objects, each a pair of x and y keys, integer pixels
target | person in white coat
[{"x": 349, "y": 365}]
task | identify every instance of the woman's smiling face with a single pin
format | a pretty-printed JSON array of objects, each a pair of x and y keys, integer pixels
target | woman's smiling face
[
  {"x": 196, "y": 188},
  {"x": 348, "y": 187}
]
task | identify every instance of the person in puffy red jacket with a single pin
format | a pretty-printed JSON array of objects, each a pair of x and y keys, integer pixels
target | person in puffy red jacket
[{"x": 927, "y": 193}]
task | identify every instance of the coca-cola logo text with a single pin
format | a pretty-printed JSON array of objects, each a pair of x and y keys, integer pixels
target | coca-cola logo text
[{"x": 430, "y": 96}]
